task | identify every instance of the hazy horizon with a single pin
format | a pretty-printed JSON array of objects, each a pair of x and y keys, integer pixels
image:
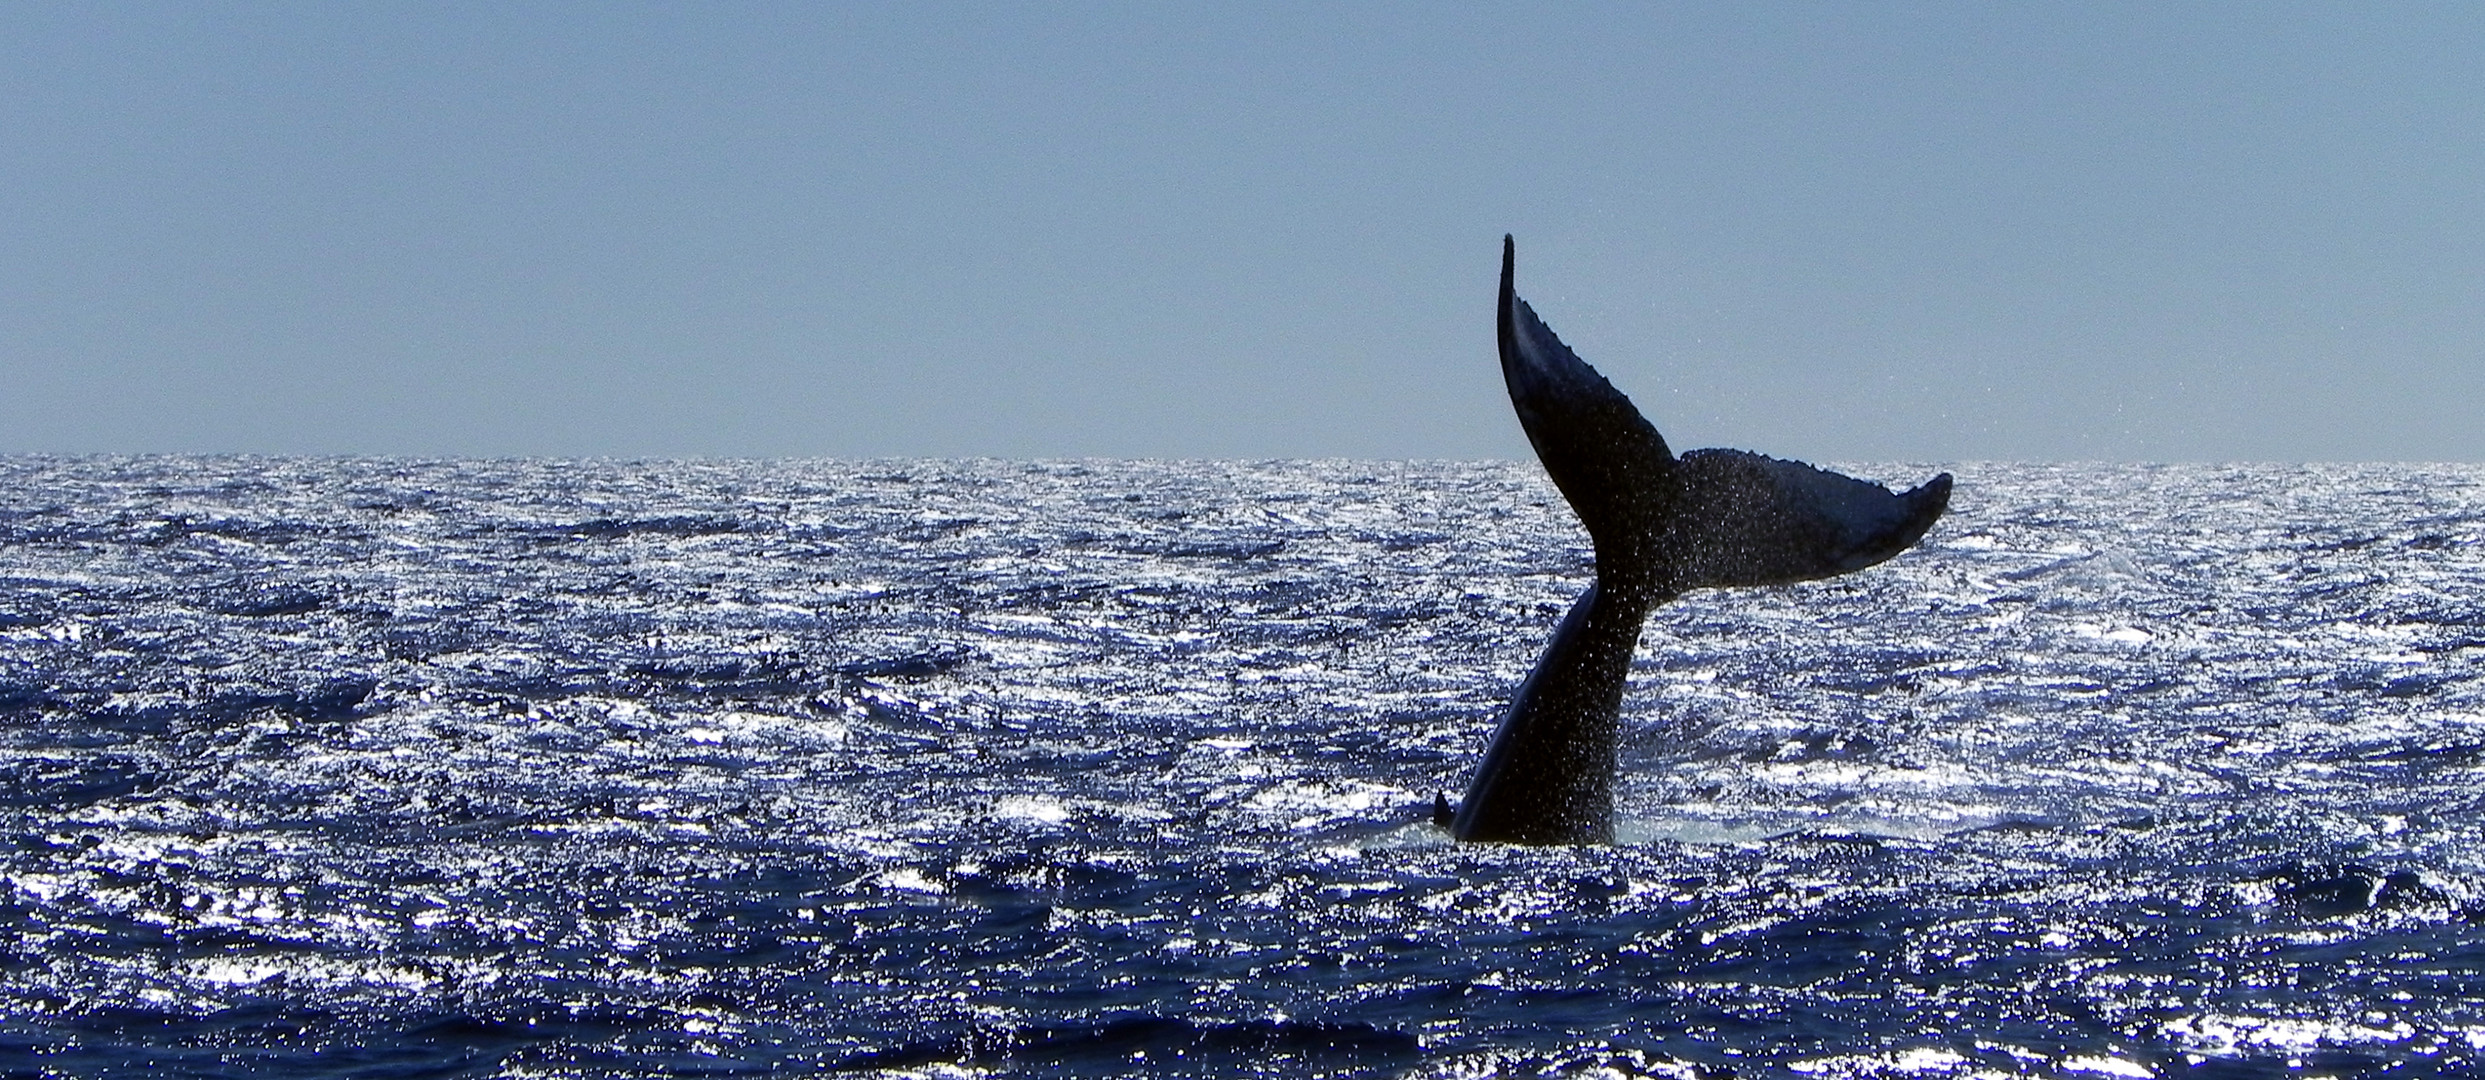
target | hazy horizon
[{"x": 1943, "y": 233}]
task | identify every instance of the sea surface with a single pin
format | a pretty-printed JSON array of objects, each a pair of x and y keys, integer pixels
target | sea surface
[{"x": 400, "y": 768}]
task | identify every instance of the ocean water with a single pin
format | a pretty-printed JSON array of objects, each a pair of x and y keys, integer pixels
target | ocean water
[{"x": 328, "y": 768}]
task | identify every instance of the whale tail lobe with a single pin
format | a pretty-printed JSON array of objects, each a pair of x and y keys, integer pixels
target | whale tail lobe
[
  {"x": 1660, "y": 525},
  {"x": 1709, "y": 519}
]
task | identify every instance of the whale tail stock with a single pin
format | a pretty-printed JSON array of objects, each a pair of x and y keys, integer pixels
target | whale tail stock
[{"x": 1660, "y": 525}]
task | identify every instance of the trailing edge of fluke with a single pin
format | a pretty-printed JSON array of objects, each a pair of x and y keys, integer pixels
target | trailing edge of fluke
[{"x": 1661, "y": 525}]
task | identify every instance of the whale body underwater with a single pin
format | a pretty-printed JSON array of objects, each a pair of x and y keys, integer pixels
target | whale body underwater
[{"x": 1660, "y": 525}]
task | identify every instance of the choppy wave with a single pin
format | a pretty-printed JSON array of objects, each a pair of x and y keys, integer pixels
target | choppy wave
[{"x": 360, "y": 767}]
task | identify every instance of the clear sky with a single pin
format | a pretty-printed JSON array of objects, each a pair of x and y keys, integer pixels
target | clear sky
[{"x": 1845, "y": 232}]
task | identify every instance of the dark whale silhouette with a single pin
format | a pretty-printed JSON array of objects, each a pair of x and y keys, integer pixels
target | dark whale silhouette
[{"x": 1661, "y": 525}]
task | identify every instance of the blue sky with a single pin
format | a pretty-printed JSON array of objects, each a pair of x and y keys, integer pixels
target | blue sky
[{"x": 1868, "y": 232}]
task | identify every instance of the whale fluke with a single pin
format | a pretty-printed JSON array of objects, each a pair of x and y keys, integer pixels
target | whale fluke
[
  {"x": 1750, "y": 519},
  {"x": 1660, "y": 525}
]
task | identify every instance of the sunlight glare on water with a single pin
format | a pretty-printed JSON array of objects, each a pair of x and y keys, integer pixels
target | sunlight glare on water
[{"x": 933, "y": 768}]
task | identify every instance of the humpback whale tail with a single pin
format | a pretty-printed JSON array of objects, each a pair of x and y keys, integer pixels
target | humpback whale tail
[{"x": 1660, "y": 525}]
